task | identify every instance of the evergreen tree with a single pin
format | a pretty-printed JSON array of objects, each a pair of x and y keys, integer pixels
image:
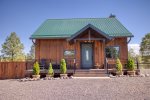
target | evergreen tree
[
  {"x": 31, "y": 54},
  {"x": 118, "y": 66},
  {"x": 12, "y": 49},
  {"x": 63, "y": 68},
  {"x": 145, "y": 48}
]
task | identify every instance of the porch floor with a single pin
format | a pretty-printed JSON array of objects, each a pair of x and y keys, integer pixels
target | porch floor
[{"x": 80, "y": 72}]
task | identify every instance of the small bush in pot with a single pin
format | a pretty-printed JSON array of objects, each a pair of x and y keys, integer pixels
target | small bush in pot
[
  {"x": 36, "y": 70},
  {"x": 130, "y": 67},
  {"x": 118, "y": 67},
  {"x": 63, "y": 68},
  {"x": 50, "y": 71}
]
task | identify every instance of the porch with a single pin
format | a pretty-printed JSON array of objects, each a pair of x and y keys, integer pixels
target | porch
[{"x": 73, "y": 70}]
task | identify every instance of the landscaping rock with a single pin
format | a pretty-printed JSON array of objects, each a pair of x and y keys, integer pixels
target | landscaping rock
[
  {"x": 111, "y": 76},
  {"x": 147, "y": 75},
  {"x": 122, "y": 88},
  {"x": 142, "y": 75},
  {"x": 56, "y": 78},
  {"x": 71, "y": 77}
]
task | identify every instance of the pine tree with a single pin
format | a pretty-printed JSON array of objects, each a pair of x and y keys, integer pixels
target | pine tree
[
  {"x": 13, "y": 48},
  {"x": 130, "y": 64},
  {"x": 118, "y": 66},
  {"x": 36, "y": 68},
  {"x": 31, "y": 54},
  {"x": 50, "y": 70},
  {"x": 63, "y": 68},
  {"x": 145, "y": 48}
]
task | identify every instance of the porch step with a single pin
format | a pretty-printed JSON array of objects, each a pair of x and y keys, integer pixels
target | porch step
[{"x": 90, "y": 73}]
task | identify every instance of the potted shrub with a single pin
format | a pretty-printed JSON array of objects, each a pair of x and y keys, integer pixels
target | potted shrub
[
  {"x": 50, "y": 71},
  {"x": 130, "y": 67},
  {"x": 36, "y": 70},
  {"x": 118, "y": 67},
  {"x": 63, "y": 68}
]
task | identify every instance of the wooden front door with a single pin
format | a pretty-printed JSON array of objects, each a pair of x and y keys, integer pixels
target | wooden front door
[{"x": 86, "y": 55}]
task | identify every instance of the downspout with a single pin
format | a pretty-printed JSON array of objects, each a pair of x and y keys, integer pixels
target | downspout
[
  {"x": 129, "y": 40},
  {"x": 127, "y": 45},
  {"x": 33, "y": 42}
]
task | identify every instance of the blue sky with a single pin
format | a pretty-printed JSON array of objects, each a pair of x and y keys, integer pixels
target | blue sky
[{"x": 25, "y": 16}]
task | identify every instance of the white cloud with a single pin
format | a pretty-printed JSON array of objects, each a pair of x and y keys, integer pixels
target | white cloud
[{"x": 135, "y": 47}]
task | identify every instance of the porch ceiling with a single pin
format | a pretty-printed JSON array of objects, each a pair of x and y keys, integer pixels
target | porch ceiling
[{"x": 101, "y": 33}]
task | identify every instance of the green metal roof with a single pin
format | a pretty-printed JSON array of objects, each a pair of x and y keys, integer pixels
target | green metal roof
[{"x": 64, "y": 28}]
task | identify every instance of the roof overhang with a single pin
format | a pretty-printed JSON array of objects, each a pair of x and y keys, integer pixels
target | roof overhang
[
  {"x": 85, "y": 28},
  {"x": 50, "y": 37}
]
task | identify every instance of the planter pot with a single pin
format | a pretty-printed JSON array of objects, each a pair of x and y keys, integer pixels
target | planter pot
[
  {"x": 131, "y": 72},
  {"x": 35, "y": 76},
  {"x": 63, "y": 75},
  {"x": 119, "y": 73},
  {"x": 49, "y": 75}
]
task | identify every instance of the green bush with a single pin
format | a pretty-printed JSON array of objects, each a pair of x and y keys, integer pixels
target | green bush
[
  {"x": 36, "y": 68},
  {"x": 63, "y": 68},
  {"x": 118, "y": 66},
  {"x": 130, "y": 65},
  {"x": 50, "y": 70}
]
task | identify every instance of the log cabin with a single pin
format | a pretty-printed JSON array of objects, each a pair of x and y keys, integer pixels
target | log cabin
[{"x": 87, "y": 41}]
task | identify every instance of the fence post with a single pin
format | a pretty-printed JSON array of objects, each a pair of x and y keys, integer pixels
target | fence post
[{"x": 137, "y": 63}]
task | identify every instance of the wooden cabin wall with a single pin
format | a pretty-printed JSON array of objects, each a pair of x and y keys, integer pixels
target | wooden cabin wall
[
  {"x": 122, "y": 43},
  {"x": 54, "y": 49},
  {"x": 99, "y": 53}
]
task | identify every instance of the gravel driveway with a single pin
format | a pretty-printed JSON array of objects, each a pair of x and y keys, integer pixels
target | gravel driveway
[{"x": 123, "y": 88}]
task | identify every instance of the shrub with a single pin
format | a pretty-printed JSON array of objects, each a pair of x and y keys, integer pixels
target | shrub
[
  {"x": 63, "y": 68},
  {"x": 130, "y": 65},
  {"x": 36, "y": 68},
  {"x": 118, "y": 65},
  {"x": 50, "y": 70}
]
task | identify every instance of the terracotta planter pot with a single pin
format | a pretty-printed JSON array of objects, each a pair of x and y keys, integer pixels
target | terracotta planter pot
[
  {"x": 131, "y": 72},
  {"x": 63, "y": 75},
  {"x": 35, "y": 76},
  {"x": 119, "y": 73},
  {"x": 49, "y": 75}
]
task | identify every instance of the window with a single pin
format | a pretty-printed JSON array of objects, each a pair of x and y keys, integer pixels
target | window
[
  {"x": 112, "y": 52},
  {"x": 69, "y": 53}
]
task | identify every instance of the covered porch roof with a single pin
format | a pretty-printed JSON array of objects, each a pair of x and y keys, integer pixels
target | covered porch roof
[{"x": 88, "y": 28}]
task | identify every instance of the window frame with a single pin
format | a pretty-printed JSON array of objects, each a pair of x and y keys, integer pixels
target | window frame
[
  {"x": 69, "y": 56},
  {"x": 111, "y": 47}
]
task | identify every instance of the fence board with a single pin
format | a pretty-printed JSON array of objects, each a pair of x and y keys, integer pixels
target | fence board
[{"x": 11, "y": 70}]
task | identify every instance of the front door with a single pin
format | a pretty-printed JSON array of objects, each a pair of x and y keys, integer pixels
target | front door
[{"x": 86, "y": 56}]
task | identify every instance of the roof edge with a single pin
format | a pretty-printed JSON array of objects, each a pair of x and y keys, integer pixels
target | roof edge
[{"x": 86, "y": 27}]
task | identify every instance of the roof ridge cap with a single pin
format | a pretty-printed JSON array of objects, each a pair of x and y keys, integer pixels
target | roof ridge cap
[{"x": 79, "y": 18}]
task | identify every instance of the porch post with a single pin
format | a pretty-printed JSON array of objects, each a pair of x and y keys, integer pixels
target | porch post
[
  {"x": 105, "y": 61},
  {"x": 89, "y": 36},
  {"x": 75, "y": 55}
]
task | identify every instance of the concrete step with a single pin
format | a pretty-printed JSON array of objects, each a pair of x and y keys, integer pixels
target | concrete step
[{"x": 90, "y": 73}]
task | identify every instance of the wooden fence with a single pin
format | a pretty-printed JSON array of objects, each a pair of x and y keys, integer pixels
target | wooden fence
[{"x": 11, "y": 70}]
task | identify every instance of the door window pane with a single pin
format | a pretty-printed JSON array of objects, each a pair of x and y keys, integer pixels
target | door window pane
[{"x": 87, "y": 55}]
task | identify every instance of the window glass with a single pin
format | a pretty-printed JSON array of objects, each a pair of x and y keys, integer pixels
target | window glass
[
  {"x": 69, "y": 53},
  {"x": 87, "y": 55},
  {"x": 112, "y": 52}
]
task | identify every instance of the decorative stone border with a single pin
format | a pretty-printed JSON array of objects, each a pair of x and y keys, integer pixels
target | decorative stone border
[
  {"x": 46, "y": 78},
  {"x": 141, "y": 75}
]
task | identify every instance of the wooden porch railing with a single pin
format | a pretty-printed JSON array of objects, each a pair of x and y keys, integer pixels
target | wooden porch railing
[{"x": 70, "y": 63}]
